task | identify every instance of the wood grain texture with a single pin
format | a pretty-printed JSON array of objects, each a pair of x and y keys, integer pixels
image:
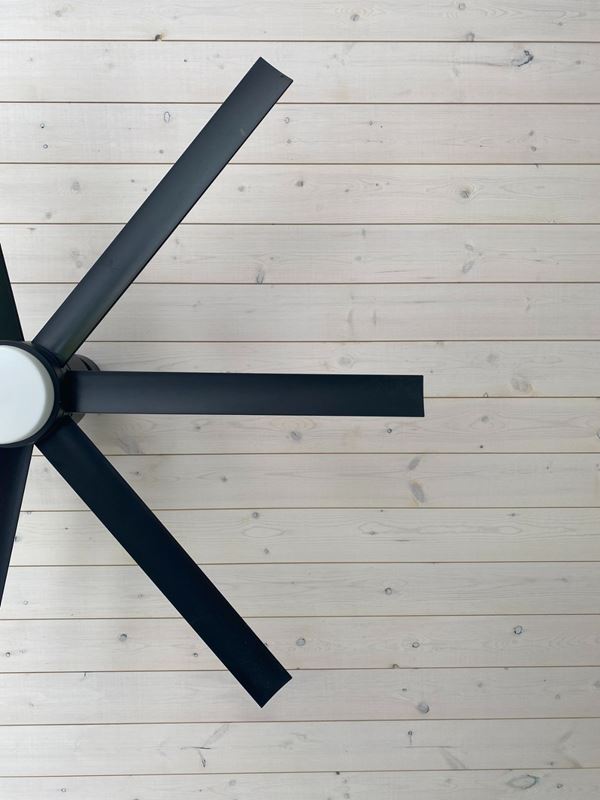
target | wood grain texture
[
  {"x": 338, "y": 481},
  {"x": 425, "y": 200},
  {"x": 305, "y": 747},
  {"x": 305, "y": 19},
  {"x": 307, "y": 643},
  {"x": 334, "y": 313},
  {"x": 390, "y": 694},
  {"x": 289, "y": 194},
  {"x": 314, "y": 590},
  {"x": 451, "y": 369},
  {"x": 340, "y": 72},
  {"x": 439, "y": 785},
  {"x": 450, "y": 425},
  {"x": 315, "y": 254},
  {"x": 558, "y": 784},
  {"x": 269, "y": 536},
  {"x": 300, "y": 133}
]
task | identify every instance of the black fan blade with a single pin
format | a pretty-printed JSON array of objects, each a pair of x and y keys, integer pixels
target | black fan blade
[
  {"x": 14, "y": 466},
  {"x": 163, "y": 559},
  {"x": 245, "y": 393},
  {"x": 10, "y": 326},
  {"x": 163, "y": 210}
]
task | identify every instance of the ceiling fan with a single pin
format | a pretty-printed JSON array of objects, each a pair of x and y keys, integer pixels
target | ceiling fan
[{"x": 45, "y": 388}]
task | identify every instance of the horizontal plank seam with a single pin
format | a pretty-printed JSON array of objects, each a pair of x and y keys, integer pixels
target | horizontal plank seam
[
  {"x": 325, "y": 341},
  {"x": 363, "y": 562},
  {"x": 174, "y": 40},
  {"x": 326, "y": 508},
  {"x": 313, "y": 163},
  {"x": 325, "y": 616},
  {"x": 403, "y": 104},
  {"x": 78, "y": 775},
  {"x": 65, "y": 101},
  {"x": 220, "y": 720},
  {"x": 431, "y": 722},
  {"x": 298, "y": 454},
  {"x": 349, "y": 284},
  {"x": 373, "y": 284},
  {"x": 472, "y": 668},
  {"x": 491, "y": 223}
]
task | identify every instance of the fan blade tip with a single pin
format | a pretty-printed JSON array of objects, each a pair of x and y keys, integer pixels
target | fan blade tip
[
  {"x": 263, "y": 698},
  {"x": 262, "y": 62}
]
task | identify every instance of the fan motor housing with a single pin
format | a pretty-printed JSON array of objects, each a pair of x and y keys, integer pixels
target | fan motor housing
[{"x": 30, "y": 391}]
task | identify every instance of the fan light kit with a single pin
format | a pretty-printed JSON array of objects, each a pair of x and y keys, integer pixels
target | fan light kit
[{"x": 45, "y": 388}]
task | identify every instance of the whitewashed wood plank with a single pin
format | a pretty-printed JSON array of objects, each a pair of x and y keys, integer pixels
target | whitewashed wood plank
[
  {"x": 324, "y": 133},
  {"x": 344, "y": 73},
  {"x": 450, "y": 425},
  {"x": 319, "y": 253},
  {"x": 558, "y": 784},
  {"x": 79, "y": 698},
  {"x": 410, "y": 312},
  {"x": 335, "y": 313},
  {"x": 321, "y": 193},
  {"x": 346, "y": 480},
  {"x": 306, "y": 643},
  {"x": 326, "y": 19},
  {"x": 302, "y": 747},
  {"x": 314, "y": 590},
  {"x": 452, "y": 369},
  {"x": 323, "y": 72},
  {"x": 338, "y": 535}
]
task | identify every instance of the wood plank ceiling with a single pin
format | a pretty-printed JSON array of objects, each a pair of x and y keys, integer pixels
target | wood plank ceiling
[{"x": 426, "y": 199}]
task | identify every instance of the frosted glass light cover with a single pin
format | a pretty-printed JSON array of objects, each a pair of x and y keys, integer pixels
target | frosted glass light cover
[{"x": 26, "y": 395}]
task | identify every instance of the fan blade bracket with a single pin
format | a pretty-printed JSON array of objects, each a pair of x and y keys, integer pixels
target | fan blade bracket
[{"x": 31, "y": 391}]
